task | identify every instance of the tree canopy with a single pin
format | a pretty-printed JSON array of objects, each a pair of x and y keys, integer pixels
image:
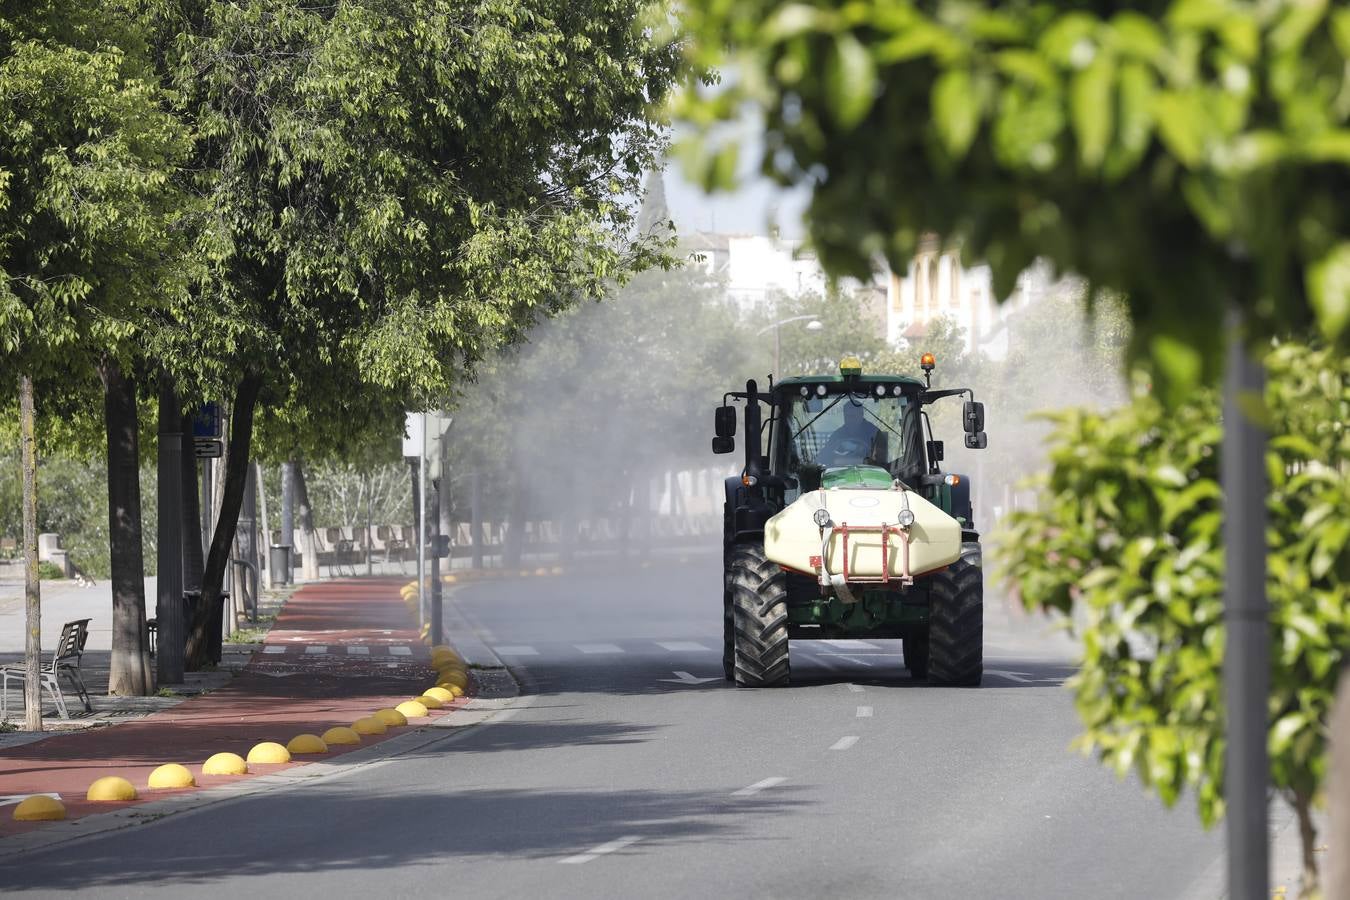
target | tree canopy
[{"x": 1186, "y": 154}]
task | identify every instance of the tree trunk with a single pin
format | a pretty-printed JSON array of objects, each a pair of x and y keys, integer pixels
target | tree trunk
[
  {"x": 308, "y": 540},
  {"x": 1307, "y": 836},
  {"x": 129, "y": 668},
  {"x": 200, "y": 642},
  {"x": 513, "y": 549},
  {"x": 170, "y": 623},
  {"x": 32, "y": 592},
  {"x": 266, "y": 526},
  {"x": 476, "y": 519}
]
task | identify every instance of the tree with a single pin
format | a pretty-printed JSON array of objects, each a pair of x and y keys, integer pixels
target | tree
[
  {"x": 1128, "y": 535},
  {"x": 84, "y": 221},
  {"x": 395, "y": 219},
  {"x": 1180, "y": 153}
]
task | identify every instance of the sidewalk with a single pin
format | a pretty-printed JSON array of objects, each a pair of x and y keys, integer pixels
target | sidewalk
[{"x": 338, "y": 651}]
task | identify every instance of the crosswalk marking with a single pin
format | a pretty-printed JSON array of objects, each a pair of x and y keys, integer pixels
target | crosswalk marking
[
  {"x": 844, "y": 742},
  {"x": 517, "y": 650},
  {"x": 600, "y": 850},
  {"x": 680, "y": 646},
  {"x": 598, "y": 648},
  {"x": 316, "y": 649},
  {"x": 400, "y": 651},
  {"x": 274, "y": 648},
  {"x": 357, "y": 650}
]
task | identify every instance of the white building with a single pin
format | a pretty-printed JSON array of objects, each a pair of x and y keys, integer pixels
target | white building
[
  {"x": 938, "y": 286},
  {"x": 756, "y": 268}
]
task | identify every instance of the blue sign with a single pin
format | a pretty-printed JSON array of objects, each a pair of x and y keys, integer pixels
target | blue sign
[{"x": 206, "y": 421}]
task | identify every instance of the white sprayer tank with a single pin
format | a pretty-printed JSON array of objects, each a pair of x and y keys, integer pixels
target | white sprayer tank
[{"x": 793, "y": 539}]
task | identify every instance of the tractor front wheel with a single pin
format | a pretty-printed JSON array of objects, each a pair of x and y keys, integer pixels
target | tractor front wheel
[
  {"x": 956, "y": 622},
  {"x": 728, "y": 631},
  {"x": 759, "y": 619}
]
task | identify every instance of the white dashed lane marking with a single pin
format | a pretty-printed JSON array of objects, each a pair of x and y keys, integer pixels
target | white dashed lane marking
[
  {"x": 851, "y": 645},
  {"x": 601, "y": 850},
  {"x": 758, "y": 786},
  {"x": 316, "y": 649},
  {"x": 680, "y": 646},
  {"x": 400, "y": 651},
  {"x": 358, "y": 650},
  {"x": 856, "y": 688},
  {"x": 599, "y": 648},
  {"x": 274, "y": 648},
  {"x": 517, "y": 650},
  {"x": 844, "y": 742},
  {"x": 864, "y": 712}
]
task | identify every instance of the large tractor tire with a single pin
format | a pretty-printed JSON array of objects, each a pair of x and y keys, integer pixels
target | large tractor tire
[
  {"x": 759, "y": 611},
  {"x": 728, "y": 631},
  {"x": 956, "y": 622}
]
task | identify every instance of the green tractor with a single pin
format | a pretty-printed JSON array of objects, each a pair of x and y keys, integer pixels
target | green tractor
[{"x": 845, "y": 526}]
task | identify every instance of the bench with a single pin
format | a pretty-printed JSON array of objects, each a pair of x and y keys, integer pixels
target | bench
[{"x": 65, "y": 662}]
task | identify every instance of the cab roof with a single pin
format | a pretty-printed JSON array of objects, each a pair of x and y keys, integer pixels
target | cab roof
[{"x": 797, "y": 380}]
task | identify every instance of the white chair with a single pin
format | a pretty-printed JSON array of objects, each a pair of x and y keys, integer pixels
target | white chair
[{"x": 65, "y": 661}]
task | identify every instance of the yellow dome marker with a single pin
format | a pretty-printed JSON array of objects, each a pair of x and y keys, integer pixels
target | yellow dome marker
[
  {"x": 306, "y": 743},
  {"x": 391, "y": 717},
  {"x": 449, "y": 678},
  {"x": 269, "y": 752},
  {"x": 369, "y": 725},
  {"x": 412, "y": 709},
  {"x": 429, "y": 701},
  {"x": 339, "y": 735},
  {"x": 225, "y": 764},
  {"x": 40, "y": 808},
  {"x": 171, "y": 775},
  {"x": 441, "y": 694},
  {"x": 456, "y": 690},
  {"x": 109, "y": 789}
]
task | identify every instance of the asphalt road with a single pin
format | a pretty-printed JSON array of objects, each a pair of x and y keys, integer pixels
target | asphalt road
[{"x": 621, "y": 773}]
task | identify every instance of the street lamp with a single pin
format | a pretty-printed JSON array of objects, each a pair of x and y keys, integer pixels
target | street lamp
[{"x": 813, "y": 325}]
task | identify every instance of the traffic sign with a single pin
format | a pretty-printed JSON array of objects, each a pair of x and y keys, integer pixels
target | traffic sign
[{"x": 208, "y": 448}]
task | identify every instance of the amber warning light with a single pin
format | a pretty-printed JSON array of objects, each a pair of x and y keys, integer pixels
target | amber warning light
[{"x": 928, "y": 361}]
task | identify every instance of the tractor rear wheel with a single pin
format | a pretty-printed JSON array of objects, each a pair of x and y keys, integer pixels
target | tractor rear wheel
[
  {"x": 759, "y": 619},
  {"x": 956, "y": 622},
  {"x": 728, "y": 631}
]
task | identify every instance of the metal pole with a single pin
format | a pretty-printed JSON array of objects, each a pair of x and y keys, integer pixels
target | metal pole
[
  {"x": 422, "y": 524},
  {"x": 777, "y": 348},
  {"x": 1246, "y": 668},
  {"x": 171, "y": 622},
  {"x": 266, "y": 526},
  {"x": 369, "y": 530}
]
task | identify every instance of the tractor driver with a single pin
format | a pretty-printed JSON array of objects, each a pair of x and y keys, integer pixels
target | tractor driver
[{"x": 851, "y": 443}]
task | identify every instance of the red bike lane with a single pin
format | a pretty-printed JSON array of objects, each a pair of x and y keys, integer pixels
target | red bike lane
[{"x": 337, "y": 652}]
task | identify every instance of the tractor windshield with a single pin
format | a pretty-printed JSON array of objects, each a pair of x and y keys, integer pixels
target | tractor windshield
[{"x": 857, "y": 429}]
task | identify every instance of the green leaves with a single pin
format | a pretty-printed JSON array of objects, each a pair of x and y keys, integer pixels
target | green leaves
[
  {"x": 1115, "y": 142},
  {"x": 1329, "y": 291},
  {"x": 1128, "y": 526}
]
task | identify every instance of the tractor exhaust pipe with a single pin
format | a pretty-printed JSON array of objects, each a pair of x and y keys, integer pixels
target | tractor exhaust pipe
[{"x": 753, "y": 452}]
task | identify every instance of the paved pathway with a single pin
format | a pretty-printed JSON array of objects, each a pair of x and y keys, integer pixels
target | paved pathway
[{"x": 309, "y": 676}]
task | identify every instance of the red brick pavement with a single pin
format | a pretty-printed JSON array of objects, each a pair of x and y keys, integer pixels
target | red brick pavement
[{"x": 277, "y": 696}]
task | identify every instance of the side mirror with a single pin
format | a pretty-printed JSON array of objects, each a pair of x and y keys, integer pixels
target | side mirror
[
  {"x": 723, "y": 444},
  {"x": 977, "y": 441},
  {"x": 724, "y": 422},
  {"x": 935, "y": 451},
  {"x": 972, "y": 417}
]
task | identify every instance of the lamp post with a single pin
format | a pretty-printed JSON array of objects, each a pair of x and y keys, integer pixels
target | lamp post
[{"x": 813, "y": 325}]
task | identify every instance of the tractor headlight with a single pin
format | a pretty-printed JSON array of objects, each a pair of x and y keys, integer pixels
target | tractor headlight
[
  {"x": 906, "y": 518},
  {"x": 895, "y": 391},
  {"x": 820, "y": 390},
  {"x": 822, "y": 517},
  {"x": 806, "y": 391},
  {"x": 881, "y": 390}
]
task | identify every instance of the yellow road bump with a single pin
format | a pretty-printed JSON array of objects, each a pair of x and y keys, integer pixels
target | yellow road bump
[
  {"x": 429, "y": 701},
  {"x": 456, "y": 690},
  {"x": 269, "y": 752},
  {"x": 391, "y": 717},
  {"x": 171, "y": 775},
  {"x": 225, "y": 764},
  {"x": 441, "y": 694},
  {"x": 413, "y": 709},
  {"x": 449, "y": 678},
  {"x": 340, "y": 735},
  {"x": 109, "y": 789},
  {"x": 40, "y": 808},
  {"x": 306, "y": 743},
  {"x": 369, "y": 725}
]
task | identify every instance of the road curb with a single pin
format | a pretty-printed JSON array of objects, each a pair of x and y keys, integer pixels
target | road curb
[
  {"x": 497, "y": 693},
  {"x": 497, "y": 698}
]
